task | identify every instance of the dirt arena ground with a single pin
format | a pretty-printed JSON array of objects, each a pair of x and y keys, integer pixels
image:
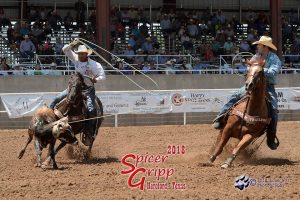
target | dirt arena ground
[{"x": 100, "y": 177}]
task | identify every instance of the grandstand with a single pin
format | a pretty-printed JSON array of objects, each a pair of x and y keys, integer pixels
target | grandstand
[{"x": 216, "y": 22}]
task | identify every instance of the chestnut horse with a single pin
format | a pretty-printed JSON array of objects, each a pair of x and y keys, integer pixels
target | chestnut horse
[{"x": 248, "y": 118}]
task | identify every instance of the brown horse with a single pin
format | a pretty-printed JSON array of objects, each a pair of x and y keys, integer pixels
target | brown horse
[
  {"x": 74, "y": 107},
  {"x": 247, "y": 119}
]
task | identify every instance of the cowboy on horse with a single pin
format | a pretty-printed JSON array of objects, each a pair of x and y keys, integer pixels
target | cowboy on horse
[
  {"x": 88, "y": 68},
  {"x": 271, "y": 69}
]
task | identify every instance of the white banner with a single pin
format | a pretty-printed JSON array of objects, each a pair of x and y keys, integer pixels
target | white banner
[{"x": 140, "y": 102}]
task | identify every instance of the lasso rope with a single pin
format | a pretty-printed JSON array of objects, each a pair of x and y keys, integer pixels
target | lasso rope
[
  {"x": 242, "y": 54},
  {"x": 84, "y": 41}
]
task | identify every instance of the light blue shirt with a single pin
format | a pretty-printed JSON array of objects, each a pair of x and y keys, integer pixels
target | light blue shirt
[{"x": 272, "y": 66}]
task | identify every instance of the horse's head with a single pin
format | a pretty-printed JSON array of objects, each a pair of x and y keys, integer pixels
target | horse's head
[
  {"x": 255, "y": 74},
  {"x": 75, "y": 86}
]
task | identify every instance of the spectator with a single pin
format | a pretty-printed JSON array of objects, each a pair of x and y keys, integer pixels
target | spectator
[
  {"x": 27, "y": 48},
  {"x": 186, "y": 41},
  {"x": 244, "y": 46},
  {"x": 36, "y": 71},
  {"x": 220, "y": 17},
  {"x": 140, "y": 58},
  {"x": 38, "y": 33},
  {"x": 53, "y": 71},
  {"x": 229, "y": 32},
  {"x": 198, "y": 66},
  {"x": 228, "y": 46},
  {"x": 170, "y": 67},
  {"x": 165, "y": 24},
  {"x": 132, "y": 41},
  {"x": 293, "y": 53},
  {"x": 181, "y": 31},
  {"x": 147, "y": 45},
  {"x": 186, "y": 67},
  {"x": 149, "y": 68},
  {"x": 216, "y": 46},
  {"x": 4, "y": 67},
  {"x": 136, "y": 31},
  {"x": 80, "y": 8},
  {"x": 146, "y": 68},
  {"x": 192, "y": 29},
  {"x": 24, "y": 30},
  {"x": 58, "y": 46},
  {"x": 162, "y": 59},
  {"x": 251, "y": 36},
  {"x": 209, "y": 54},
  {"x": 68, "y": 20},
  {"x": 129, "y": 54}
]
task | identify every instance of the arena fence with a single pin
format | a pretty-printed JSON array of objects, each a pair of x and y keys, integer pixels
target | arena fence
[{"x": 170, "y": 117}]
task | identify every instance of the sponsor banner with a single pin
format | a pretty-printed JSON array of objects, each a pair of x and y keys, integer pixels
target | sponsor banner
[
  {"x": 140, "y": 102},
  {"x": 22, "y": 105}
]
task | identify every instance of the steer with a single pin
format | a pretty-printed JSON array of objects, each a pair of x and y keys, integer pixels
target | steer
[{"x": 45, "y": 130}]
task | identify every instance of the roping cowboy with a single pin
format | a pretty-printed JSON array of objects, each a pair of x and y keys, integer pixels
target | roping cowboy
[
  {"x": 271, "y": 69},
  {"x": 87, "y": 67}
]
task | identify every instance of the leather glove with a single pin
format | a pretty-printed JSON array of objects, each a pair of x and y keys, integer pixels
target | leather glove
[{"x": 75, "y": 42}]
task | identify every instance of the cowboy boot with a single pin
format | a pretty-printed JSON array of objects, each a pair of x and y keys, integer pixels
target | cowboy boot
[
  {"x": 217, "y": 122},
  {"x": 271, "y": 131}
]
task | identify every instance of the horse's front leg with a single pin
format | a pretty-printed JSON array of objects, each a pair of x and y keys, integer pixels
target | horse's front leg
[
  {"x": 38, "y": 150},
  {"x": 222, "y": 139},
  {"x": 88, "y": 152},
  {"x": 245, "y": 141}
]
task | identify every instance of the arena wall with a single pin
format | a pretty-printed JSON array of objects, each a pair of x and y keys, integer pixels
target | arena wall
[{"x": 24, "y": 84}]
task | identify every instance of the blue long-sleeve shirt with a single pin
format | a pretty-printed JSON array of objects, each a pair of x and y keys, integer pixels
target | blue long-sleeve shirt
[{"x": 272, "y": 66}]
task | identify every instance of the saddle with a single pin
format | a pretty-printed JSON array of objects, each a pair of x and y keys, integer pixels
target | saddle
[{"x": 248, "y": 119}]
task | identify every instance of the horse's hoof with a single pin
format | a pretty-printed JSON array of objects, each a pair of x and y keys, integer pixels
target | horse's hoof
[
  {"x": 55, "y": 166},
  {"x": 225, "y": 166}
]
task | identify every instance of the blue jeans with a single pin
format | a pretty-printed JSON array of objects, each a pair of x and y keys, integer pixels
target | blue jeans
[
  {"x": 273, "y": 98},
  {"x": 90, "y": 101},
  {"x": 58, "y": 98}
]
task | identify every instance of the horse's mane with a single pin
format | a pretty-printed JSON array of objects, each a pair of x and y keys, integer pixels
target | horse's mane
[{"x": 80, "y": 77}]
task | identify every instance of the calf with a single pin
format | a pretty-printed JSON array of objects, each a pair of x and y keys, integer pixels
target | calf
[{"x": 45, "y": 130}]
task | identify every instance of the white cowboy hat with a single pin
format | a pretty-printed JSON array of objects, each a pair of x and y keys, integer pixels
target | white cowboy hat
[
  {"x": 267, "y": 41},
  {"x": 83, "y": 49}
]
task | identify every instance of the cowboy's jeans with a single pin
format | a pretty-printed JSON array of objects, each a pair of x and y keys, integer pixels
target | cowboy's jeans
[
  {"x": 90, "y": 126},
  {"x": 58, "y": 98},
  {"x": 273, "y": 98},
  {"x": 91, "y": 101},
  {"x": 90, "y": 95}
]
